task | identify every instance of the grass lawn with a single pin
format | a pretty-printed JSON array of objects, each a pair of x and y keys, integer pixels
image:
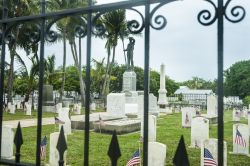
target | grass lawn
[
  {"x": 20, "y": 114},
  {"x": 169, "y": 131}
]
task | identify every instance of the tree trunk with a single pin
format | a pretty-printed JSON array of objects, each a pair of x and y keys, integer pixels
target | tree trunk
[
  {"x": 64, "y": 66},
  {"x": 79, "y": 70},
  {"x": 11, "y": 73}
]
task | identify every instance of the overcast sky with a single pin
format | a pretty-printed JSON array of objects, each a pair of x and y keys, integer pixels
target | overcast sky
[{"x": 186, "y": 47}]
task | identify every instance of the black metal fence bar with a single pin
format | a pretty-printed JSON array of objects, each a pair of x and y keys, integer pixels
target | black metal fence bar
[
  {"x": 87, "y": 103},
  {"x": 146, "y": 82},
  {"x": 4, "y": 26},
  {"x": 220, "y": 130},
  {"x": 85, "y": 10},
  {"x": 40, "y": 88}
]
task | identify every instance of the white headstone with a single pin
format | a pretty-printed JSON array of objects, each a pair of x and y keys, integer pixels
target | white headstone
[
  {"x": 156, "y": 154},
  {"x": 153, "y": 108},
  {"x": 58, "y": 107},
  {"x": 63, "y": 115},
  {"x": 240, "y": 139},
  {"x": 18, "y": 105},
  {"x": 187, "y": 114},
  {"x": 248, "y": 113},
  {"x": 212, "y": 105},
  {"x": 151, "y": 128},
  {"x": 129, "y": 81},
  {"x": 209, "y": 147},
  {"x": 131, "y": 108},
  {"x": 92, "y": 106},
  {"x": 28, "y": 109},
  {"x": 78, "y": 110},
  {"x": 236, "y": 115},
  {"x": 12, "y": 109},
  {"x": 116, "y": 104},
  {"x": 7, "y": 142},
  {"x": 53, "y": 152},
  {"x": 199, "y": 131}
]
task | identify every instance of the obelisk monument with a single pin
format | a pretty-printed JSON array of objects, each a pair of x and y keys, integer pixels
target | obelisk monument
[{"x": 162, "y": 100}]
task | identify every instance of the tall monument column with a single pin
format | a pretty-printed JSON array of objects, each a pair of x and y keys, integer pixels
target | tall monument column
[{"x": 162, "y": 100}]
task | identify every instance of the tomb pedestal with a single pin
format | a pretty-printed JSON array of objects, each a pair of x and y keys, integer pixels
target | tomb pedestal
[{"x": 129, "y": 81}]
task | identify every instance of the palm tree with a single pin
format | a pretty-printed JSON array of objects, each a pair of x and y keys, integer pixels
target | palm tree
[
  {"x": 16, "y": 9},
  {"x": 116, "y": 28},
  {"x": 65, "y": 27},
  {"x": 49, "y": 69}
]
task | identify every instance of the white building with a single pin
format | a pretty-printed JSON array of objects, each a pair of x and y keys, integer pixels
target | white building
[{"x": 193, "y": 94}]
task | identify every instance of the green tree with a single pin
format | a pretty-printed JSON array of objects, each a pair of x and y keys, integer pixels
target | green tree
[
  {"x": 16, "y": 9},
  {"x": 116, "y": 28},
  {"x": 72, "y": 81},
  {"x": 237, "y": 79},
  {"x": 68, "y": 33}
]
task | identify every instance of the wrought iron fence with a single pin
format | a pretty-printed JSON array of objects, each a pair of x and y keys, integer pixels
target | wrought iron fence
[{"x": 42, "y": 31}]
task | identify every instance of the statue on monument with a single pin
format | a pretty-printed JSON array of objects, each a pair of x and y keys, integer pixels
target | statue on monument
[{"x": 130, "y": 52}]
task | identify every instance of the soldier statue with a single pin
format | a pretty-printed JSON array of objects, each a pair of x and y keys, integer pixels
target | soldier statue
[{"x": 130, "y": 52}]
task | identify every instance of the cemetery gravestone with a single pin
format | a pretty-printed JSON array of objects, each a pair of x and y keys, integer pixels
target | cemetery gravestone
[
  {"x": 209, "y": 152},
  {"x": 212, "y": 105},
  {"x": 58, "y": 107},
  {"x": 93, "y": 107},
  {"x": 236, "y": 115},
  {"x": 129, "y": 81},
  {"x": 241, "y": 139},
  {"x": 53, "y": 152},
  {"x": 153, "y": 108},
  {"x": 78, "y": 109},
  {"x": 116, "y": 104},
  {"x": 7, "y": 142},
  {"x": 199, "y": 131},
  {"x": 12, "y": 109},
  {"x": 48, "y": 101},
  {"x": 187, "y": 114},
  {"x": 28, "y": 109},
  {"x": 248, "y": 113},
  {"x": 156, "y": 154},
  {"x": 63, "y": 115},
  {"x": 151, "y": 128}
]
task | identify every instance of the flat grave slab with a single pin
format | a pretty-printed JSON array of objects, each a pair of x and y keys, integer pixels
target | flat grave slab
[
  {"x": 78, "y": 122},
  {"x": 122, "y": 126}
]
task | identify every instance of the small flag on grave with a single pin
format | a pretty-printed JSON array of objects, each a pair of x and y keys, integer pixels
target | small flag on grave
[
  {"x": 135, "y": 159},
  {"x": 43, "y": 148},
  {"x": 208, "y": 158},
  {"x": 239, "y": 140}
]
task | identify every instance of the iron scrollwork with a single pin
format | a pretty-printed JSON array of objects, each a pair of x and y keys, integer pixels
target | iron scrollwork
[
  {"x": 134, "y": 26},
  {"x": 237, "y": 13}
]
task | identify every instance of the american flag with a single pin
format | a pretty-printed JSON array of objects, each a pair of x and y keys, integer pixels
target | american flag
[
  {"x": 135, "y": 159},
  {"x": 208, "y": 158},
  {"x": 239, "y": 140},
  {"x": 186, "y": 119},
  {"x": 43, "y": 148},
  {"x": 58, "y": 121}
]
